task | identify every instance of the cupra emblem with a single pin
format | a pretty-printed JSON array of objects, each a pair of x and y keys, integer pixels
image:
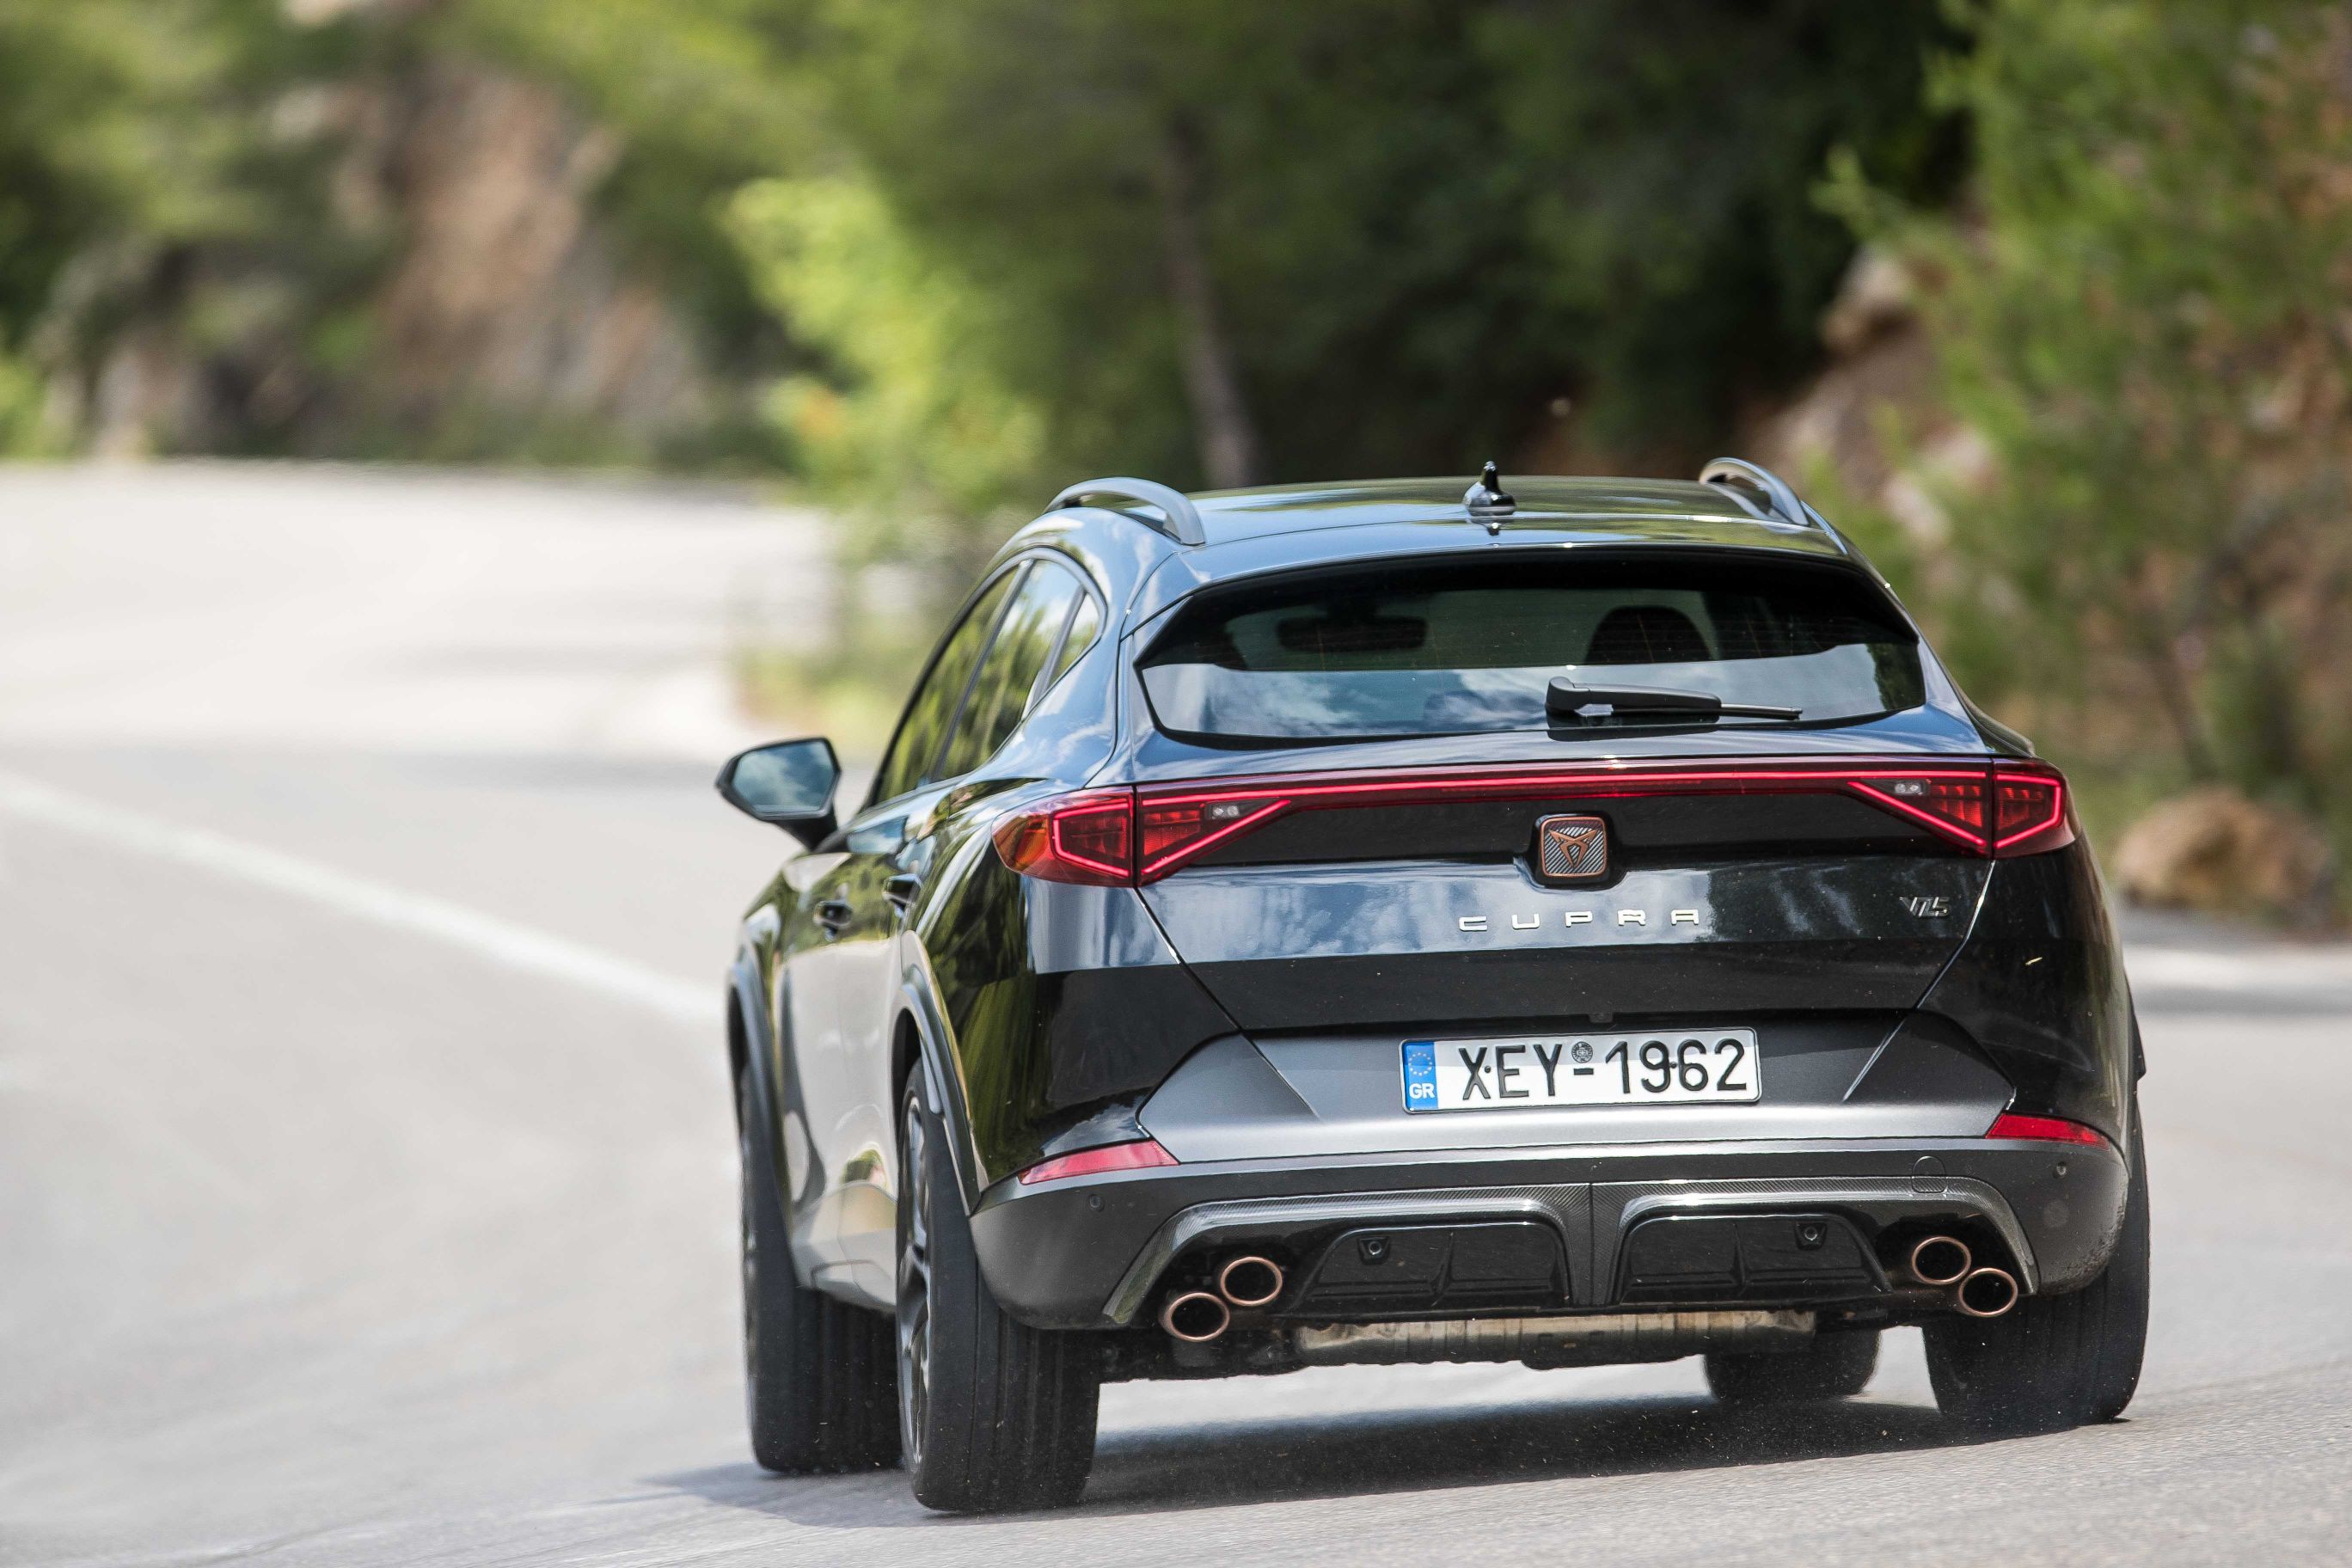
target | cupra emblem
[{"x": 1572, "y": 849}]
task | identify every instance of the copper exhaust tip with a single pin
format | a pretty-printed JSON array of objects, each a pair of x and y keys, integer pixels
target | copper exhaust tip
[
  {"x": 1986, "y": 1293},
  {"x": 1250, "y": 1281},
  {"x": 1195, "y": 1317},
  {"x": 1940, "y": 1260}
]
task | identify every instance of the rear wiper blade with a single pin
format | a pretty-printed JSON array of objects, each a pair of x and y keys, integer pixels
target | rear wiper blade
[{"x": 1564, "y": 699}]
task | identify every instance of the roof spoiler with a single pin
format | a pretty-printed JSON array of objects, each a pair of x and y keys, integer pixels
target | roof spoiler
[
  {"x": 1176, "y": 517},
  {"x": 1767, "y": 495}
]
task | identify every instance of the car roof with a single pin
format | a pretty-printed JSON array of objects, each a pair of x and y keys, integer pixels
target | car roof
[
  {"x": 1287, "y": 527},
  {"x": 1668, "y": 511}
]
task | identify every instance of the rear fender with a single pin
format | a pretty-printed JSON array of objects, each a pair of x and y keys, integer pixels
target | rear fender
[
  {"x": 943, "y": 1086},
  {"x": 2039, "y": 986}
]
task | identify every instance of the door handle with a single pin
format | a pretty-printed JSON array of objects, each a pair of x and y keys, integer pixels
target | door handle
[
  {"x": 901, "y": 889},
  {"x": 835, "y": 914}
]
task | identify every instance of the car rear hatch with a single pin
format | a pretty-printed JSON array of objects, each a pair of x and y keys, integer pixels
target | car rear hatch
[
  {"x": 1402, "y": 898},
  {"x": 1796, "y": 856},
  {"x": 1363, "y": 821}
]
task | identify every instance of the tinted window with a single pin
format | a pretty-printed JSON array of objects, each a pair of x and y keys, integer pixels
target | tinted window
[
  {"x": 1446, "y": 649},
  {"x": 1009, "y": 675},
  {"x": 933, "y": 707}
]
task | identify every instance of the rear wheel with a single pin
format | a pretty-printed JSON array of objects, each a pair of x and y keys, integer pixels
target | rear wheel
[
  {"x": 2055, "y": 1361},
  {"x": 816, "y": 1371},
  {"x": 1833, "y": 1367},
  {"x": 992, "y": 1414}
]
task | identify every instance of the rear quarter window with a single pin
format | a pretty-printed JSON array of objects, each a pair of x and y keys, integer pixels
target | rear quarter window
[{"x": 1425, "y": 648}]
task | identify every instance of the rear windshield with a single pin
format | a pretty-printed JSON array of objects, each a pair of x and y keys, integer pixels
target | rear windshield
[{"x": 1433, "y": 650}]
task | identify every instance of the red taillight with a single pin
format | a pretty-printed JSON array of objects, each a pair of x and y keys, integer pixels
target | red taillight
[
  {"x": 1953, "y": 805},
  {"x": 1174, "y": 831},
  {"x": 2028, "y": 811},
  {"x": 1140, "y": 1156},
  {"x": 1121, "y": 838},
  {"x": 1087, "y": 838},
  {"x": 2046, "y": 1128}
]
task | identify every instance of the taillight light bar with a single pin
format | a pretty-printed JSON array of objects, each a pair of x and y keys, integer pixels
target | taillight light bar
[{"x": 1134, "y": 834}]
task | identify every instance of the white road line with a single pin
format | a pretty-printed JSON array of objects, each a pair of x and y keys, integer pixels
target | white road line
[{"x": 500, "y": 941}]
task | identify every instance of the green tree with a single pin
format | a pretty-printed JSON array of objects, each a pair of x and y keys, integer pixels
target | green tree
[
  {"x": 1232, "y": 242},
  {"x": 2144, "y": 316},
  {"x": 707, "y": 97},
  {"x": 102, "y": 141},
  {"x": 1671, "y": 151},
  {"x": 157, "y": 174},
  {"x": 913, "y": 411}
]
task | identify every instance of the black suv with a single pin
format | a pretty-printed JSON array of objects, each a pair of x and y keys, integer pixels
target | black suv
[{"x": 1377, "y": 922}]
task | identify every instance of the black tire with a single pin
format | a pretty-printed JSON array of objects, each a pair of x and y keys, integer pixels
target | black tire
[
  {"x": 817, "y": 1372},
  {"x": 992, "y": 1414},
  {"x": 2053, "y": 1361},
  {"x": 1833, "y": 1366}
]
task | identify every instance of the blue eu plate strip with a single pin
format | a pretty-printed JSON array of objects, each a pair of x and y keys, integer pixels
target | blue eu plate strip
[{"x": 1421, "y": 1075}]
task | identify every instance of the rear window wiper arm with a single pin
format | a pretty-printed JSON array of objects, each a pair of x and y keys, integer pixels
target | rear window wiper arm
[{"x": 1564, "y": 699}]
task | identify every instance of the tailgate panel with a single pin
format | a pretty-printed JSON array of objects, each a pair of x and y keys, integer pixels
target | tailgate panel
[{"x": 1401, "y": 942}]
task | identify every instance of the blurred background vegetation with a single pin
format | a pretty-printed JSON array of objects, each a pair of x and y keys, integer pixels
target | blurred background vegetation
[{"x": 2048, "y": 300}]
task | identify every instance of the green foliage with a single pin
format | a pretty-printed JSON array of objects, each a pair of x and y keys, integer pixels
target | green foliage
[
  {"x": 1669, "y": 150},
  {"x": 104, "y": 134},
  {"x": 161, "y": 171},
  {"x": 706, "y": 97},
  {"x": 912, "y": 411},
  {"x": 1406, "y": 226},
  {"x": 23, "y": 423},
  {"x": 2145, "y": 320},
  {"x": 1420, "y": 221}
]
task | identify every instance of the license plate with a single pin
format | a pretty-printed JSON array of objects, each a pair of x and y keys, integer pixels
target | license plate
[{"x": 1661, "y": 1066}]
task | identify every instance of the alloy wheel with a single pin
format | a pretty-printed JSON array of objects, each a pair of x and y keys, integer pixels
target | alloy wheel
[{"x": 914, "y": 1285}]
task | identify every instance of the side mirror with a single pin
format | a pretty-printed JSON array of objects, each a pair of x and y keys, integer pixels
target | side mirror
[{"x": 787, "y": 784}]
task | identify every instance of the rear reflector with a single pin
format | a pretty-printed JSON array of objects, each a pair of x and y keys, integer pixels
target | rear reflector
[
  {"x": 1120, "y": 837},
  {"x": 2046, "y": 1128},
  {"x": 1094, "y": 1162}
]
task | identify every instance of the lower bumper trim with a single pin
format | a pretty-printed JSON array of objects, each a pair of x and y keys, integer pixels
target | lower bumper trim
[
  {"x": 1605, "y": 1211},
  {"x": 1604, "y": 1339}
]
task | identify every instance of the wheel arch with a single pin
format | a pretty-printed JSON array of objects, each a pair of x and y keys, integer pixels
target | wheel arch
[
  {"x": 918, "y": 1046},
  {"x": 753, "y": 1052}
]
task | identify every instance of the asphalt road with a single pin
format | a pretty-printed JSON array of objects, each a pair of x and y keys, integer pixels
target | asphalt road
[{"x": 366, "y": 1170}]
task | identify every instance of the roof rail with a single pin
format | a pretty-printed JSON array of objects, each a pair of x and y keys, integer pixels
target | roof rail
[
  {"x": 1178, "y": 519},
  {"x": 1780, "y": 503}
]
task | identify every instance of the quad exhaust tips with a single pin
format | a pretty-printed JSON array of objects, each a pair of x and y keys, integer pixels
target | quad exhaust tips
[
  {"x": 1195, "y": 1317},
  {"x": 1250, "y": 1281},
  {"x": 1986, "y": 1293},
  {"x": 1941, "y": 1260}
]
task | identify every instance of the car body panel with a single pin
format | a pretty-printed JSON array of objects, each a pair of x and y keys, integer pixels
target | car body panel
[
  {"x": 1485, "y": 946},
  {"x": 1851, "y": 1077},
  {"x": 1247, "y": 1010},
  {"x": 1062, "y": 1255}
]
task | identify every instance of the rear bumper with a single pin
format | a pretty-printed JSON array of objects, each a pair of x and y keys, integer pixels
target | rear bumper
[{"x": 1093, "y": 1253}]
